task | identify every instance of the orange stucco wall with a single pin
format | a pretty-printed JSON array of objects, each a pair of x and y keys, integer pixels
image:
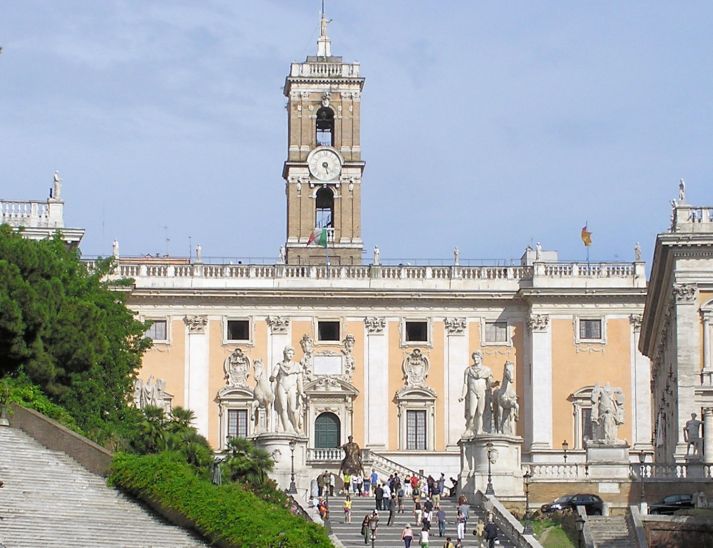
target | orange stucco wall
[
  {"x": 572, "y": 370},
  {"x": 167, "y": 361}
]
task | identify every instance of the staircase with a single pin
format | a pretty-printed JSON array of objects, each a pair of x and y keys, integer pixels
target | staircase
[
  {"x": 49, "y": 500},
  {"x": 349, "y": 534},
  {"x": 610, "y": 532}
]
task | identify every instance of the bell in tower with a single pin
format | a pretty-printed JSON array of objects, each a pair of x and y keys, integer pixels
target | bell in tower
[{"x": 323, "y": 171}]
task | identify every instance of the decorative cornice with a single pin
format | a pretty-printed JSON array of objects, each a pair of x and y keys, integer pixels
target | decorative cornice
[
  {"x": 196, "y": 324},
  {"x": 684, "y": 293},
  {"x": 374, "y": 325},
  {"x": 455, "y": 326},
  {"x": 538, "y": 322},
  {"x": 278, "y": 324}
]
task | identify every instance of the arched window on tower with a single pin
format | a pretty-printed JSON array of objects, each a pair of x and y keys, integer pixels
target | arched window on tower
[
  {"x": 325, "y": 127},
  {"x": 324, "y": 217}
]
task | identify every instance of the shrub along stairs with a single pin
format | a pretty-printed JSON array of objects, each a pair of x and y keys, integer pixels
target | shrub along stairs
[
  {"x": 49, "y": 500},
  {"x": 390, "y": 536}
]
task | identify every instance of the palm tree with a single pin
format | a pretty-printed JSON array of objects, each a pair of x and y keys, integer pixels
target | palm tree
[{"x": 247, "y": 463}]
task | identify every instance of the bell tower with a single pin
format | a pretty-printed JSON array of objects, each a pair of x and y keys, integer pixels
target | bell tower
[{"x": 324, "y": 168}]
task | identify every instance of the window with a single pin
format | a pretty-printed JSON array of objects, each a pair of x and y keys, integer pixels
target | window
[
  {"x": 325, "y": 127},
  {"x": 590, "y": 329},
  {"x": 326, "y": 431},
  {"x": 416, "y": 430},
  {"x": 496, "y": 332},
  {"x": 237, "y": 423},
  {"x": 328, "y": 331},
  {"x": 324, "y": 217},
  {"x": 237, "y": 330},
  {"x": 416, "y": 331},
  {"x": 586, "y": 426},
  {"x": 158, "y": 330}
]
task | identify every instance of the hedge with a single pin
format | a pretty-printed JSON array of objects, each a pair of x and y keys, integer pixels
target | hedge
[{"x": 225, "y": 514}]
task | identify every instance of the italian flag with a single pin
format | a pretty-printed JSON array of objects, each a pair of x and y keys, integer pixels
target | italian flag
[{"x": 318, "y": 236}]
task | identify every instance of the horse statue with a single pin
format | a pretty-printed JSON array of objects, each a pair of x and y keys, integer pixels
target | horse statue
[
  {"x": 263, "y": 395},
  {"x": 505, "y": 403}
]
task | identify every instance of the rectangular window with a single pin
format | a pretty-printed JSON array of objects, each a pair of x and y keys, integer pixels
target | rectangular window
[
  {"x": 416, "y": 430},
  {"x": 416, "y": 331},
  {"x": 238, "y": 330},
  {"x": 158, "y": 331},
  {"x": 237, "y": 423},
  {"x": 590, "y": 329},
  {"x": 496, "y": 332},
  {"x": 328, "y": 331},
  {"x": 586, "y": 426}
]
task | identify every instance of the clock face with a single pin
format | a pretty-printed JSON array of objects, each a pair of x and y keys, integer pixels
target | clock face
[{"x": 324, "y": 164}]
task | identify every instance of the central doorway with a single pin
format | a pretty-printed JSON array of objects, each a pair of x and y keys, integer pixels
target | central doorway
[{"x": 327, "y": 431}]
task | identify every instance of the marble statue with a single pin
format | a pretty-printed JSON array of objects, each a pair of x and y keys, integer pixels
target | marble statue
[
  {"x": 505, "y": 402},
  {"x": 456, "y": 256},
  {"x": 56, "y": 186},
  {"x": 681, "y": 191},
  {"x": 199, "y": 253},
  {"x": 538, "y": 251},
  {"x": 607, "y": 413},
  {"x": 351, "y": 463},
  {"x": 692, "y": 436},
  {"x": 477, "y": 380},
  {"x": 152, "y": 393},
  {"x": 289, "y": 392},
  {"x": 283, "y": 254},
  {"x": 115, "y": 249},
  {"x": 377, "y": 256},
  {"x": 637, "y": 252},
  {"x": 263, "y": 397}
]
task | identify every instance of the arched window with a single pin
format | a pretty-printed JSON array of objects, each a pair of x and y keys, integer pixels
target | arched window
[
  {"x": 325, "y": 127},
  {"x": 324, "y": 217},
  {"x": 326, "y": 431}
]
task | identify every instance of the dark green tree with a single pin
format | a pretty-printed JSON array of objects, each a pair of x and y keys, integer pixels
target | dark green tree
[{"x": 67, "y": 329}]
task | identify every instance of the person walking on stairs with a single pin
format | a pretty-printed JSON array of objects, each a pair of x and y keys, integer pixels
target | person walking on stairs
[
  {"x": 348, "y": 509},
  {"x": 448, "y": 543},
  {"x": 392, "y": 511},
  {"x": 424, "y": 537},
  {"x": 491, "y": 533},
  {"x": 407, "y": 536}
]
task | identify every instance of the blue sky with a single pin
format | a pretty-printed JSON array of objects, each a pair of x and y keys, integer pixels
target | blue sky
[{"x": 486, "y": 125}]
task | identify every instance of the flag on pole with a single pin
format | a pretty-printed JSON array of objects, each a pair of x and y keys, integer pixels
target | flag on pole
[
  {"x": 586, "y": 236},
  {"x": 318, "y": 236}
]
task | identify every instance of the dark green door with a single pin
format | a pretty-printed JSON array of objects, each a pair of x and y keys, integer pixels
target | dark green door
[{"x": 326, "y": 431}]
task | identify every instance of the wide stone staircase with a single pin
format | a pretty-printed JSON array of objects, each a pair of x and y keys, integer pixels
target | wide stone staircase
[
  {"x": 349, "y": 534},
  {"x": 49, "y": 500},
  {"x": 610, "y": 531}
]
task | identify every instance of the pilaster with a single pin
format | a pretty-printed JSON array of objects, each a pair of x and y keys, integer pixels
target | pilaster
[
  {"x": 196, "y": 396},
  {"x": 456, "y": 362},
  {"x": 539, "y": 416},
  {"x": 376, "y": 371},
  {"x": 640, "y": 400}
]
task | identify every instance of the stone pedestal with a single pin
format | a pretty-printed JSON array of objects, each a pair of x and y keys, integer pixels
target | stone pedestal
[
  {"x": 277, "y": 444},
  {"x": 608, "y": 461},
  {"x": 506, "y": 471}
]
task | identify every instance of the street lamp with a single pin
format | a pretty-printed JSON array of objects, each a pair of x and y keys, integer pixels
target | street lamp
[
  {"x": 293, "y": 488},
  {"x": 491, "y": 457},
  {"x": 642, "y": 469},
  {"x": 580, "y": 529},
  {"x": 565, "y": 446},
  {"x": 527, "y": 530}
]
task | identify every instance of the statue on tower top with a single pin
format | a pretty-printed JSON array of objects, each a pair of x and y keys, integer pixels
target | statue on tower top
[{"x": 324, "y": 46}]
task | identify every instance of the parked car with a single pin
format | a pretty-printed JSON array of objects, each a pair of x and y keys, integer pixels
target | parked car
[
  {"x": 672, "y": 503},
  {"x": 592, "y": 504}
]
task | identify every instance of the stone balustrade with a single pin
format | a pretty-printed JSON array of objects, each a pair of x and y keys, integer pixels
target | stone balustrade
[
  {"x": 506, "y": 522},
  {"x": 154, "y": 272},
  {"x": 330, "y": 455},
  {"x": 687, "y": 218},
  {"x": 558, "y": 472},
  {"x": 668, "y": 472},
  {"x": 32, "y": 213},
  {"x": 324, "y": 70}
]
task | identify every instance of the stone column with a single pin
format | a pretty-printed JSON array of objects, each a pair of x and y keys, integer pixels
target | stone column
[
  {"x": 640, "y": 400},
  {"x": 196, "y": 396},
  {"x": 376, "y": 371},
  {"x": 708, "y": 435},
  {"x": 456, "y": 362},
  {"x": 539, "y": 416}
]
